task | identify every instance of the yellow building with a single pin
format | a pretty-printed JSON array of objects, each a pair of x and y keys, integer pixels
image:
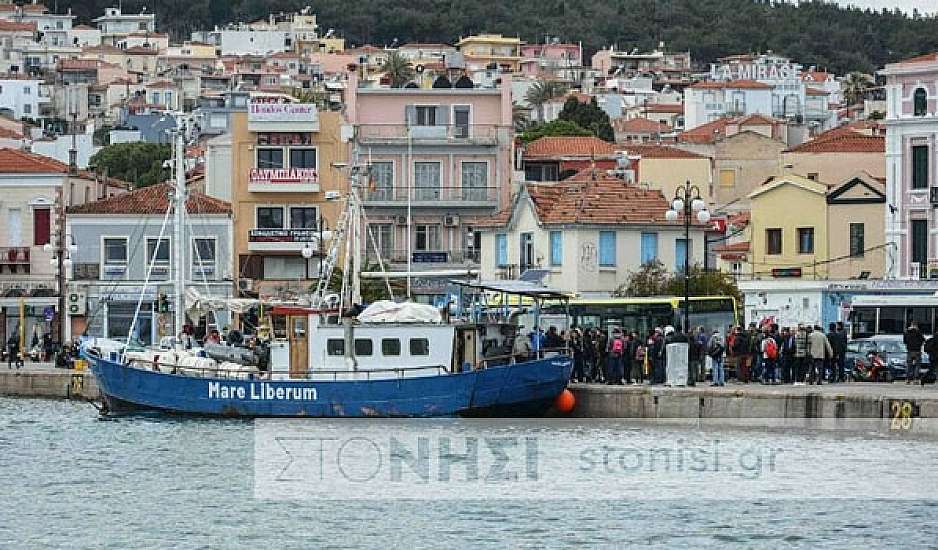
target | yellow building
[
  {"x": 789, "y": 228},
  {"x": 665, "y": 168},
  {"x": 856, "y": 228},
  {"x": 482, "y": 50},
  {"x": 283, "y": 170}
]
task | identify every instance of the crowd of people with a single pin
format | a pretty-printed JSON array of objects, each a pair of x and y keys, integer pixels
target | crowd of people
[{"x": 767, "y": 354}]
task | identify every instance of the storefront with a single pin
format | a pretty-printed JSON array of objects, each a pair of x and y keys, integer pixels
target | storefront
[{"x": 37, "y": 316}]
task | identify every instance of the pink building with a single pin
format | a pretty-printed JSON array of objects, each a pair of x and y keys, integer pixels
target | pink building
[
  {"x": 553, "y": 61},
  {"x": 441, "y": 159},
  {"x": 911, "y": 166}
]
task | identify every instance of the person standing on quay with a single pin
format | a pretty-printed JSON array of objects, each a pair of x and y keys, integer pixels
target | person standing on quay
[
  {"x": 788, "y": 355},
  {"x": 838, "y": 340},
  {"x": 716, "y": 349},
  {"x": 801, "y": 355},
  {"x": 913, "y": 340},
  {"x": 820, "y": 350}
]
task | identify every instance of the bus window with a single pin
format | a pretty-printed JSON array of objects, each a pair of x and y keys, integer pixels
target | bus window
[
  {"x": 891, "y": 320},
  {"x": 587, "y": 321}
]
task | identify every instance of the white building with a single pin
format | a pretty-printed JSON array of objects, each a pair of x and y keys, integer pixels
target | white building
[
  {"x": 21, "y": 98},
  {"x": 763, "y": 84},
  {"x": 588, "y": 232},
  {"x": 116, "y": 26}
]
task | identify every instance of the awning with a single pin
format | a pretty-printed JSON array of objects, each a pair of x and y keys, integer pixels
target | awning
[{"x": 196, "y": 302}]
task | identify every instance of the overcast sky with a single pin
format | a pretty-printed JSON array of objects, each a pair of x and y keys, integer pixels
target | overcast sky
[{"x": 924, "y": 6}]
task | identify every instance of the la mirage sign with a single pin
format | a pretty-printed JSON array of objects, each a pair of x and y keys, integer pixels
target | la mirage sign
[{"x": 755, "y": 71}]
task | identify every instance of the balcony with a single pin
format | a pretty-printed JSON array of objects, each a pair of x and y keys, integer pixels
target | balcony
[
  {"x": 441, "y": 134},
  {"x": 282, "y": 240},
  {"x": 14, "y": 259},
  {"x": 424, "y": 256},
  {"x": 447, "y": 197}
]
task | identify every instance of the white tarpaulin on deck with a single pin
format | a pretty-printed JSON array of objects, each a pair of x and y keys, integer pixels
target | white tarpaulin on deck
[
  {"x": 385, "y": 311},
  {"x": 195, "y": 301}
]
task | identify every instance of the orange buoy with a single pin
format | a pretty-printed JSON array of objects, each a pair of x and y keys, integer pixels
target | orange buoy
[{"x": 565, "y": 401}]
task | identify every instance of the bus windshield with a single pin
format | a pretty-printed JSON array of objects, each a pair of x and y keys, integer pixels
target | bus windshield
[{"x": 644, "y": 314}]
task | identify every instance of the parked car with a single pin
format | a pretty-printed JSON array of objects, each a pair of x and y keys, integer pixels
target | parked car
[{"x": 890, "y": 348}]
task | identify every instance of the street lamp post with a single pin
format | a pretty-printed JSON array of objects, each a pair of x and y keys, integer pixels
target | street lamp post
[{"x": 686, "y": 201}]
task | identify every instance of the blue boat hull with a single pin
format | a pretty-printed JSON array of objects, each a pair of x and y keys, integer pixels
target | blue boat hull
[{"x": 522, "y": 389}]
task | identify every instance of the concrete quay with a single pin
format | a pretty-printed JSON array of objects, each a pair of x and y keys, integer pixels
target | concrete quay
[
  {"x": 44, "y": 381},
  {"x": 891, "y": 406}
]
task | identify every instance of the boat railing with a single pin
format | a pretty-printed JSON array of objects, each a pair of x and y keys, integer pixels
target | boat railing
[
  {"x": 245, "y": 374},
  {"x": 512, "y": 358}
]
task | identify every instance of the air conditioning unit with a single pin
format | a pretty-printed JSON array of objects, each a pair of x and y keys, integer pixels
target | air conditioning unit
[
  {"x": 76, "y": 303},
  {"x": 451, "y": 220},
  {"x": 400, "y": 220},
  {"x": 332, "y": 195},
  {"x": 246, "y": 285}
]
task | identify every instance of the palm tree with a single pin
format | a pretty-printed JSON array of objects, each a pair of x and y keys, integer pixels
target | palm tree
[
  {"x": 854, "y": 86},
  {"x": 319, "y": 97},
  {"x": 398, "y": 69},
  {"x": 541, "y": 92}
]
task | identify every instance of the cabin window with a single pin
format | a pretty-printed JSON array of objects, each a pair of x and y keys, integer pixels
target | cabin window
[
  {"x": 363, "y": 347},
  {"x": 419, "y": 346},
  {"x": 390, "y": 347},
  {"x": 335, "y": 347}
]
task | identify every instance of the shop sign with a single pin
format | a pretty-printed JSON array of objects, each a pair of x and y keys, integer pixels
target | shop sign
[{"x": 283, "y": 175}]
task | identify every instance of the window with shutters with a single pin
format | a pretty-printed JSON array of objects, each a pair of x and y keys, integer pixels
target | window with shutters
[
  {"x": 919, "y": 167},
  {"x": 727, "y": 178},
  {"x": 649, "y": 247},
  {"x": 382, "y": 180},
  {"x": 475, "y": 177},
  {"x": 556, "y": 248},
  {"x": 427, "y": 177},
  {"x": 773, "y": 241},
  {"x": 42, "y": 220},
  {"x": 501, "y": 250},
  {"x": 857, "y": 239},
  {"x": 425, "y": 115},
  {"x": 920, "y": 102},
  {"x": 607, "y": 249}
]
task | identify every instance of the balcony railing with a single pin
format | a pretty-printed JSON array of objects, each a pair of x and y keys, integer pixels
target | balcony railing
[
  {"x": 479, "y": 134},
  {"x": 15, "y": 259},
  {"x": 424, "y": 256},
  {"x": 433, "y": 194}
]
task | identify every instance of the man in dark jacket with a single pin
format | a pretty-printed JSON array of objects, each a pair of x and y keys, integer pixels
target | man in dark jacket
[
  {"x": 931, "y": 348},
  {"x": 741, "y": 352},
  {"x": 838, "y": 339},
  {"x": 913, "y": 340}
]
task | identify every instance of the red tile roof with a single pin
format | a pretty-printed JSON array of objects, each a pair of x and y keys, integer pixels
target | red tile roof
[
  {"x": 676, "y": 108},
  {"x": 152, "y": 200},
  {"x": 754, "y": 119},
  {"x": 815, "y": 76},
  {"x": 9, "y": 133},
  {"x": 141, "y": 50},
  {"x": 732, "y": 84},
  {"x": 661, "y": 152},
  {"x": 739, "y": 219},
  {"x": 705, "y": 133},
  {"x": 16, "y": 161},
  {"x": 639, "y": 126},
  {"x": 594, "y": 197},
  {"x": 733, "y": 247},
  {"x": 845, "y": 141},
  {"x": 928, "y": 57},
  {"x": 13, "y": 26},
  {"x": 569, "y": 146},
  {"x": 808, "y": 90}
]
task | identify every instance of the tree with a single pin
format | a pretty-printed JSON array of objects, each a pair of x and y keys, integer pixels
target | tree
[
  {"x": 397, "y": 68},
  {"x": 318, "y": 97},
  {"x": 139, "y": 163},
  {"x": 589, "y": 116},
  {"x": 652, "y": 279},
  {"x": 554, "y": 128},
  {"x": 854, "y": 86},
  {"x": 649, "y": 280},
  {"x": 541, "y": 92}
]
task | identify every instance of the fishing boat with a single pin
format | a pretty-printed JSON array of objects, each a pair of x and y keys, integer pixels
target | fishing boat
[{"x": 338, "y": 360}]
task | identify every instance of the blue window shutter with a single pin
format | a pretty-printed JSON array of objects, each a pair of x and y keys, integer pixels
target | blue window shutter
[
  {"x": 649, "y": 247},
  {"x": 556, "y": 248},
  {"x": 501, "y": 250},
  {"x": 680, "y": 253},
  {"x": 607, "y": 248}
]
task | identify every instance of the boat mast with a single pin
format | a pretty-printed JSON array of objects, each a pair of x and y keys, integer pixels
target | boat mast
[{"x": 179, "y": 282}]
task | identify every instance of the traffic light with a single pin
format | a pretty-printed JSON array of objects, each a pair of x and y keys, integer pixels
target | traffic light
[{"x": 162, "y": 303}]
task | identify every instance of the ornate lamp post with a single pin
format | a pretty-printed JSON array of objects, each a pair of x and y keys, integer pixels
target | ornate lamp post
[{"x": 686, "y": 202}]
